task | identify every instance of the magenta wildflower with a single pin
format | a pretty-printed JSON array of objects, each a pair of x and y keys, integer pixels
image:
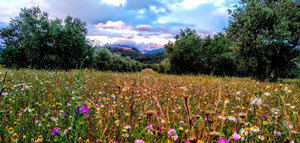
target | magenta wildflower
[
  {"x": 223, "y": 140},
  {"x": 55, "y": 132},
  {"x": 84, "y": 110}
]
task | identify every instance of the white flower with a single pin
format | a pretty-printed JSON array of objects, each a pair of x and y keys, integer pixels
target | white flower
[
  {"x": 254, "y": 129},
  {"x": 125, "y": 135},
  {"x": 292, "y": 107},
  {"x": 238, "y": 93},
  {"x": 231, "y": 118},
  {"x": 127, "y": 127},
  {"x": 256, "y": 102},
  {"x": 226, "y": 100},
  {"x": 261, "y": 137},
  {"x": 267, "y": 94},
  {"x": 222, "y": 117}
]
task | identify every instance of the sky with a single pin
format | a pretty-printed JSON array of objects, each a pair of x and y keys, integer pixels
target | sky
[{"x": 146, "y": 24}]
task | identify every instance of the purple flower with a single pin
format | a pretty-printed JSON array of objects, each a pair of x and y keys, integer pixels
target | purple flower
[
  {"x": 84, "y": 110},
  {"x": 195, "y": 95},
  {"x": 55, "y": 132},
  {"x": 154, "y": 102},
  {"x": 77, "y": 110},
  {"x": 36, "y": 120}
]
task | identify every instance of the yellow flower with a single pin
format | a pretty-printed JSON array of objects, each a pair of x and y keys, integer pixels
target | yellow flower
[
  {"x": 265, "y": 123},
  {"x": 199, "y": 141},
  {"x": 15, "y": 135},
  {"x": 181, "y": 128},
  {"x": 10, "y": 130},
  {"x": 127, "y": 114},
  {"x": 117, "y": 122},
  {"x": 168, "y": 141}
]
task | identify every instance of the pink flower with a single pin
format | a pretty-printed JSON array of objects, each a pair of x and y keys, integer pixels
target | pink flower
[
  {"x": 223, "y": 140},
  {"x": 236, "y": 136},
  {"x": 277, "y": 133},
  {"x": 154, "y": 102},
  {"x": 139, "y": 141},
  {"x": 290, "y": 127},
  {"x": 187, "y": 142},
  {"x": 195, "y": 95},
  {"x": 174, "y": 137},
  {"x": 150, "y": 127},
  {"x": 171, "y": 131},
  {"x": 181, "y": 122}
]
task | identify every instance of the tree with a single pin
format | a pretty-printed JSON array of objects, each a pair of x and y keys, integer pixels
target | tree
[
  {"x": 192, "y": 54},
  {"x": 38, "y": 42},
  {"x": 265, "y": 36}
]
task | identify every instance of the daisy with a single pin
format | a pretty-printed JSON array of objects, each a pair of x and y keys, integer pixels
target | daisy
[
  {"x": 127, "y": 127},
  {"x": 226, "y": 100},
  {"x": 125, "y": 135},
  {"x": 231, "y": 118},
  {"x": 254, "y": 129},
  {"x": 261, "y": 137},
  {"x": 238, "y": 93},
  {"x": 256, "y": 102},
  {"x": 28, "y": 109},
  {"x": 245, "y": 131},
  {"x": 267, "y": 94},
  {"x": 222, "y": 117}
]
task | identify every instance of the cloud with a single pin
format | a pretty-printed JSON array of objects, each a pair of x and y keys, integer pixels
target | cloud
[
  {"x": 143, "y": 28},
  {"x": 111, "y": 24},
  {"x": 114, "y": 2},
  {"x": 143, "y": 22}
]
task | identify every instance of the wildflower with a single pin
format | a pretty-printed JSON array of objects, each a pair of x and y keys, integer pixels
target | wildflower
[
  {"x": 255, "y": 102},
  {"x": 290, "y": 127},
  {"x": 139, "y": 141},
  {"x": 84, "y": 110},
  {"x": 117, "y": 122},
  {"x": 222, "y": 117},
  {"x": 267, "y": 94},
  {"x": 4, "y": 93},
  {"x": 277, "y": 133},
  {"x": 255, "y": 129},
  {"x": 223, "y": 140},
  {"x": 187, "y": 142},
  {"x": 163, "y": 121},
  {"x": 125, "y": 135},
  {"x": 231, "y": 118},
  {"x": 181, "y": 128},
  {"x": 127, "y": 127},
  {"x": 261, "y": 137},
  {"x": 10, "y": 130},
  {"x": 175, "y": 137},
  {"x": 226, "y": 100},
  {"x": 242, "y": 136},
  {"x": 55, "y": 132},
  {"x": 238, "y": 93},
  {"x": 181, "y": 122},
  {"x": 54, "y": 119},
  {"x": 242, "y": 115},
  {"x": 15, "y": 137},
  {"x": 292, "y": 107},
  {"x": 28, "y": 109},
  {"x": 236, "y": 136},
  {"x": 294, "y": 132},
  {"x": 245, "y": 131},
  {"x": 171, "y": 131}
]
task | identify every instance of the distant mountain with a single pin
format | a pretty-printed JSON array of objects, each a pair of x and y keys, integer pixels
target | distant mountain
[
  {"x": 151, "y": 52},
  {"x": 147, "y": 57}
]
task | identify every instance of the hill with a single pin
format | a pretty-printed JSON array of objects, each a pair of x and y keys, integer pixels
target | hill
[{"x": 149, "y": 57}]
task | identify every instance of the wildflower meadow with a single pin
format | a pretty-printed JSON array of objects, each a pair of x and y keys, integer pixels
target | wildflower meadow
[{"x": 93, "y": 106}]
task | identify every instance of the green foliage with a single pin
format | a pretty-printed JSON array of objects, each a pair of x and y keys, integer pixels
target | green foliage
[
  {"x": 265, "y": 36},
  {"x": 33, "y": 40},
  {"x": 105, "y": 60},
  {"x": 193, "y": 54}
]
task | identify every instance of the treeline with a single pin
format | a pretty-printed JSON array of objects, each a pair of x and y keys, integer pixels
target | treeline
[
  {"x": 136, "y": 55},
  {"x": 32, "y": 40},
  {"x": 261, "y": 41}
]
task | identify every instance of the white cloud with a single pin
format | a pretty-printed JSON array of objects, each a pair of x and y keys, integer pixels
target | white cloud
[
  {"x": 112, "y": 24},
  {"x": 115, "y": 2}
]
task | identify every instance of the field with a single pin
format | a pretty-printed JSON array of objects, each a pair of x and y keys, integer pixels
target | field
[{"x": 93, "y": 106}]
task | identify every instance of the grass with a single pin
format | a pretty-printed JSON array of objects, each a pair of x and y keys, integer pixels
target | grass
[{"x": 92, "y": 106}]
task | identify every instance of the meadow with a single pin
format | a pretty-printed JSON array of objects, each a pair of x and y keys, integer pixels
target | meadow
[{"x": 93, "y": 106}]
